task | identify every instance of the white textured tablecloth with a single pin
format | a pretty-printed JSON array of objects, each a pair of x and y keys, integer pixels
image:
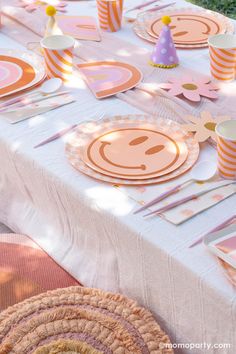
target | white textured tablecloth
[{"x": 88, "y": 227}]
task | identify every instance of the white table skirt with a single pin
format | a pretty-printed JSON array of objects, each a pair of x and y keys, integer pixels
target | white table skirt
[{"x": 89, "y": 229}]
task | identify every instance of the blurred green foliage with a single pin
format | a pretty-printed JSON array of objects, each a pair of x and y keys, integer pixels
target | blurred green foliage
[{"x": 227, "y": 7}]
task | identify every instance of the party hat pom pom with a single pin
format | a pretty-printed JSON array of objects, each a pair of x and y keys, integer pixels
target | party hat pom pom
[
  {"x": 51, "y": 11},
  {"x": 166, "y": 20},
  {"x": 52, "y": 27}
]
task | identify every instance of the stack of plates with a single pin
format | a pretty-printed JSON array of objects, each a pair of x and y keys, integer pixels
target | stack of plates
[
  {"x": 19, "y": 71},
  {"x": 190, "y": 27},
  {"x": 132, "y": 150}
]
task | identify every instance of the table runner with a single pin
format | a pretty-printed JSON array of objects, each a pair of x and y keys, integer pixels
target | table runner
[{"x": 120, "y": 50}]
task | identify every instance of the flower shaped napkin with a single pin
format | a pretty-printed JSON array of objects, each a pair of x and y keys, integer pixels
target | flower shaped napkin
[
  {"x": 191, "y": 88},
  {"x": 204, "y": 126}
]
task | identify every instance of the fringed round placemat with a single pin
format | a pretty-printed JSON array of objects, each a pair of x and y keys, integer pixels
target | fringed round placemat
[{"x": 80, "y": 320}]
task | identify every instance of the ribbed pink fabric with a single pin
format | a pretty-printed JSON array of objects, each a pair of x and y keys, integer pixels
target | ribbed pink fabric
[{"x": 26, "y": 270}]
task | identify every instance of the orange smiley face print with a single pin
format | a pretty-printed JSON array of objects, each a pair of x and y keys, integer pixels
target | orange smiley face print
[
  {"x": 135, "y": 153},
  {"x": 188, "y": 28}
]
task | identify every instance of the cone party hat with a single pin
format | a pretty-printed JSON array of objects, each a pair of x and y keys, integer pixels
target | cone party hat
[
  {"x": 52, "y": 26},
  {"x": 164, "y": 54}
]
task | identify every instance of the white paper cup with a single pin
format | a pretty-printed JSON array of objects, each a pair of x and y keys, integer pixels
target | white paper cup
[
  {"x": 58, "y": 55},
  {"x": 222, "y": 49},
  {"x": 226, "y": 148}
]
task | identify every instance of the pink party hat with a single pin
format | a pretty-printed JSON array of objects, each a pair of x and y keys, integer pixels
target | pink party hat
[{"x": 164, "y": 54}]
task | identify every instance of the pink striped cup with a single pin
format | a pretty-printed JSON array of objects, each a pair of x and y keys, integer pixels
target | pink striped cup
[
  {"x": 226, "y": 148},
  {"x": 222, "y": 49},
  {"x": 110, "y": 14},
  {"x": 58, "y": 56}
]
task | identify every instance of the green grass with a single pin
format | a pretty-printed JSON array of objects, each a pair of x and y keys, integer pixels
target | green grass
[{"x": 226, "y": 7}]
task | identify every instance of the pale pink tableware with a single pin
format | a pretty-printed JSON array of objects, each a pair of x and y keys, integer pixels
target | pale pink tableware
[
  {"x": 201, "y": 172},
  {"x": 141, "y": 6},
  {"x": 219, "y": 227},
  {"x": 56, "y": 136},
  {"x": 186, "y": 199}
]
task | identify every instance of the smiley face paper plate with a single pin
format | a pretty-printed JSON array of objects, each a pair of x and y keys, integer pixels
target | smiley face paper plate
[
  {"x": 18, "y": 71},
  {"x": 133, "y": 149},
  {"x": 135, "y": 153},
  {"x": 190, "y": 28}
]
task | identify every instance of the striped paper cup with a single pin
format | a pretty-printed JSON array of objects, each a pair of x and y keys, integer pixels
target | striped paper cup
[
  {"x": 226, "y": 148},
  {"x": 58, "y": 56},
  {"x": 222, "y": 49},
  {"x": 110, "y": 14}
]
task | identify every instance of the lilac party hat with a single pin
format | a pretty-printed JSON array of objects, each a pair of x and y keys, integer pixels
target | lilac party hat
[{"x": 164, "y": 54}]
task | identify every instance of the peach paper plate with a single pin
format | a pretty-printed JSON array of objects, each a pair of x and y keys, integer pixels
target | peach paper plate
[
  {"x": 132, "y": 149},
  {"x": 19, "y": 71},
  {"x": 190, "y": 27},
  {"x": 140, "y": 152}
]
